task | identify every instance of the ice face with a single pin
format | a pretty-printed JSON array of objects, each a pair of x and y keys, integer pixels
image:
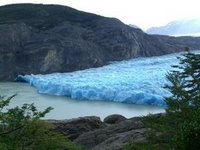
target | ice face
[{"x": 137, "y": 81}]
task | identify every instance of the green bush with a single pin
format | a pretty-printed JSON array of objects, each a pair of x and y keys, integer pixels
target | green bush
[{"x": 22, "y": 129}]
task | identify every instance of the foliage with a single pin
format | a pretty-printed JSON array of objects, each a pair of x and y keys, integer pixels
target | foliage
[
  {"x": 179, "y": 127},
  {"x": 22, "y": 129}
]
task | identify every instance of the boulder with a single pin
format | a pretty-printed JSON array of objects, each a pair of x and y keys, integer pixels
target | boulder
[
  {"x": 115, "y": 118},
  {"x": 92, "y": 133},
  {"x": 75, "y": 127},
  {"x": 113, "y": 136}
]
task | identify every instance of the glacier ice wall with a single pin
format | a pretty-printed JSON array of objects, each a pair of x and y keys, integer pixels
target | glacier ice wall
[{"x": 137, "y": 81}]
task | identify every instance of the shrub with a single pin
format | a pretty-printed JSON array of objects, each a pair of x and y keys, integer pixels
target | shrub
[{"x": 22, "y": 129}]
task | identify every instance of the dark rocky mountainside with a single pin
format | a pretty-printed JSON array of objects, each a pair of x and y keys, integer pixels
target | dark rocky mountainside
[{"x": 39, "y": 38}]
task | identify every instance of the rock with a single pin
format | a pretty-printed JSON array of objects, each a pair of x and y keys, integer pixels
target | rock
[
  {"x": 116, "y": 142},
  {"x": 115, "y": 118},
  {"x": 113, "y": 136},
  {"x": 75, "y": 127},
  {"x": 42, "y": 39},
  {"x": 92, "y": 133}
]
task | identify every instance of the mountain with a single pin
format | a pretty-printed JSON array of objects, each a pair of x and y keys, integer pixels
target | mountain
[
  {"x": 41, "y": 39},
  {"x": 178, "y": 28},
  {"x": 134, "y": 26}
]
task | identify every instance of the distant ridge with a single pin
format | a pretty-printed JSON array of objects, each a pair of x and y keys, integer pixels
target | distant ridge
[
  {"x": 178, "y": 28},
  {"x": 38, "y": 38}
]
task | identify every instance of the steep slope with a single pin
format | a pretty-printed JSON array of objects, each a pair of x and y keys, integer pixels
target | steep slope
[
  {"x": 39, "y": 38},
  {"x": 178, "y": 27}
]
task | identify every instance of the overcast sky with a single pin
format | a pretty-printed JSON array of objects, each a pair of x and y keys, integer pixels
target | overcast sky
[{"x": 143, "y": 13}]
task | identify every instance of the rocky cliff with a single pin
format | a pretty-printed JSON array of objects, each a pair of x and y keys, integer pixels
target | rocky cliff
[{"x": 49, "y": 38}]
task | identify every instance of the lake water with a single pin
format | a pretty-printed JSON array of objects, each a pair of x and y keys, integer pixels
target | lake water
[{"x": 66, "y": 108}]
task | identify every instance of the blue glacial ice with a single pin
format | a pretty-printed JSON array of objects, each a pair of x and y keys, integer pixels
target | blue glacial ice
[{"x": 136, "y": 81}]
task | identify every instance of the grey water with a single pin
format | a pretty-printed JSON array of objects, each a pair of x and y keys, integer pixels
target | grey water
[{"x": 66, "y": 108}]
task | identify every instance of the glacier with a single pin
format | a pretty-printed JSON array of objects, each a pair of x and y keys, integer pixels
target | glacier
[{"x": 135, "y": 81}]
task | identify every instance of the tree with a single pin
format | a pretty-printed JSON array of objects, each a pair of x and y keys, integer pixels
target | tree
[
  {"x": 179, "y": 127},
  {"x": 22, "y": 129}
]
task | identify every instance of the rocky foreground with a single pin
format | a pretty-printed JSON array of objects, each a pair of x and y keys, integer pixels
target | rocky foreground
[{"x": 111, "y": 133}]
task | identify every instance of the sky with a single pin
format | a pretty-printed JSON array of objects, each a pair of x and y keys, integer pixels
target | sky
[{"x": 143, "y": 13}]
